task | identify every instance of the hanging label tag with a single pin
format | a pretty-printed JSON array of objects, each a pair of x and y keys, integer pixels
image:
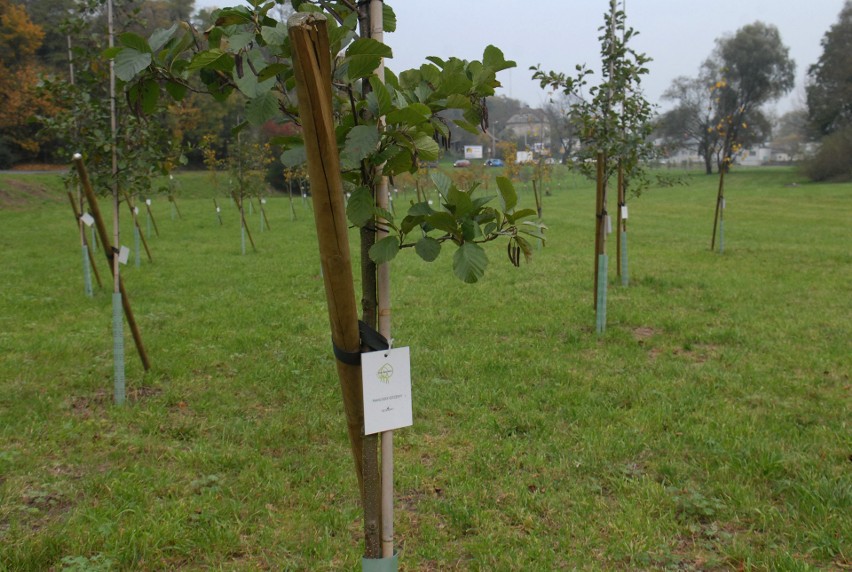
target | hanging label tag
[
  {"x": 624, "y": 212},
  {"x": 386, "y": 377},
  {"x": 430, "y": 202},
  {"x": 136, "y": 210},
  {"x": 608, "y": 225},
  {"x": 723, "y": 203},
  {"x": 123, "y": 254},
  {"x": 263, "y": 201},
  {"x": 218, "y": 210},
  {"x": 87, "y": 219},
  {"x": 148, "y": 202}
]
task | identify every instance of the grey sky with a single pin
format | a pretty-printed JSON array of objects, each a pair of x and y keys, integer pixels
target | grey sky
[{"x": 558, "y": 34}]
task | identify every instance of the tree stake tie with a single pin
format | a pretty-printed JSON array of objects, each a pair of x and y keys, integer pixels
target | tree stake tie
[{"x": 370, "y": 338}]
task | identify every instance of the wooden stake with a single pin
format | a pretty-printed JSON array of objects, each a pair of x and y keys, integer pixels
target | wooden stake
[
  {"x": 312, "y": 66},
  {"x": 720, "y": 196},
  {"x": 85, "y": 242},
  {"x": 135, "y": 218},
  {"x": 111, "y": 259},
  {"x": 151, "y": 216}
]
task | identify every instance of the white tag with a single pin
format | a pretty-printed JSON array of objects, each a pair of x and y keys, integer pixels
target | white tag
[
  {"x": 87, "y": 219},
  {"x": 723, "y": 203},
  {"x": 430, "y": 202},
  {"x": 386, "y": 379},
  {"x": 263, "y": 201},
  {"x": 148, "y": 202},
  {"x": 218, "y": 210},
  {"x": 123, "y": 254},
  {"x": 136, "y": 210},
  {"x": 624, "y": 212},
  {"x": 608, "y": 225},
  {"x": 304, "y": 195}
]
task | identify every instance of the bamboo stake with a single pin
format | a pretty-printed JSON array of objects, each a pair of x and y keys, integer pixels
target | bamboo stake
[
  {"x": 218, "y": 211},
  {"x": 384, "y": 303},
  {"x": 312, "y": 66},
  {"x": 263, "y": 214},
  {"x": 110, "y": 254},
  {"x": 84, "y": 242}
]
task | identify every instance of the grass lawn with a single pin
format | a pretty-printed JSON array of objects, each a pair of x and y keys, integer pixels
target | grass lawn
[{"x": 707, "y": 429}]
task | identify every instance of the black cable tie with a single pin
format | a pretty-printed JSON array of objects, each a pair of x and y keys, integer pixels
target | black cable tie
[{"x": 370, "y": 338}]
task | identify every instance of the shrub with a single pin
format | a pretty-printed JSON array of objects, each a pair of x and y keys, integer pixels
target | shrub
[{"x": 833, "y": 161}]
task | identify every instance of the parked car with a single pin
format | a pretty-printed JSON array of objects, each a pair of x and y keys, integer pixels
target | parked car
[
  {"x": 494, "y": 163},
  {"x": 462, "y": 163}
]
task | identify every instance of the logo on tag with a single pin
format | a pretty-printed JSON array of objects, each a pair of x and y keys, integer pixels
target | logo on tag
[{"x": 385, "y": 373}]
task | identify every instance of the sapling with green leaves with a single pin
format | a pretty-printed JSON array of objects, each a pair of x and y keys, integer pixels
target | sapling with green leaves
[
  {"x": 383, "y": 128},
  {"x": 615, "y": 124}
]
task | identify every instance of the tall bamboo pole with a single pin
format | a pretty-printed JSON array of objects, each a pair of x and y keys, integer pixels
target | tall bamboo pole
[
  {"x": 383, "y": 294},
  {"x": 600, "y": 246},
  {"x": 111, "y": 258},
  {"x": 312, "y": 66},
  {"x": 621, "y": 224}
]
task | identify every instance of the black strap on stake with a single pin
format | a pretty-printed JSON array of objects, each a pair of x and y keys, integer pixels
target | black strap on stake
[{"x": 369, "y": 337}]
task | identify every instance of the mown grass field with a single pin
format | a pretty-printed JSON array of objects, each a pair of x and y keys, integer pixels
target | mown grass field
[{"x": 707, "y": 429}]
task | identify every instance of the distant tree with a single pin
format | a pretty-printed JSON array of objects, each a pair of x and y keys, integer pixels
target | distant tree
[
  {"x": 750, "y": 68},
  {"x": 791, "y": 133},
  {"x": 830, "y": 90},
  {"x": 830, "y": 101},
  {"x": 690, "y": 124},
  {"x": 564, "y": 132}
]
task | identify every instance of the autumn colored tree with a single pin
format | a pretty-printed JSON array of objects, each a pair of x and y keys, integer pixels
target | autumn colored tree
[{"x": 20, "y": 38}]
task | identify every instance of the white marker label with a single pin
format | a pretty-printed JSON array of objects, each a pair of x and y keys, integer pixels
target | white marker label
[
  {"x": 624, "y": 212},
  {"x": 87, "y": 219},
  {"x": 263, "y": 201},
  {"x": 723, "y": 204},
  {"x": 608, "y": 225},
  {"x": 136, "y": 210},
  {"x": 148, "y": 202},
  {"x": 218, "y": 210},
  {"x": 387, "y": 390},
  {"x": 430, "y": 202},
  {"x": 123, "y": 254}
]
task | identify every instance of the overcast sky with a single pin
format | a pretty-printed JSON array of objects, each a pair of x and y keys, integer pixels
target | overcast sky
[{"x": 559, "y": 34}]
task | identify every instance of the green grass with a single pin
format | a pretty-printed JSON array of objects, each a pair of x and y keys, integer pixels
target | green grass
[{"x": 708, "y": 429}]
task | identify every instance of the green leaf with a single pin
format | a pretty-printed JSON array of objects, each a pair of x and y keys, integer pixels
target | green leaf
[
  {"x": 427, "y": 148},
  {"x": 427, "y": 248},
  {"x": 274, "y": 36},
  {"x": 384, "y": 250},
  {"x": 363, "y": 57},
  {"x": 443, "y": 221},
  {"x": 361, "y": 142},
  {"x": 360, "y": 207},
  {"x": 159, "y": 38},
  {"x": 383, "y": 97},
  {"x": 271, "y": 71},
  {"x": 493, "y": 58},
  {"x": 388, "y": 18},
  {"x": 508, "y": 196},
  {"x": 130, "y": 62},
  {"x": 135, "y": 42},
  {"x": 230, "y": 16},
  {"x": 150, "y": 92},
  {"x": 294, "y": 156},
  {"x": 208, "y": 59},
  {"x": 420, "y": 209},
  {"x": 518, "y": 215},
  {"x": 238, "y": 41},
  {"x": 176, "y": 90},
  {"x": 413, "y": 115},
  {"x": 461, "y": 202},
  {"x": 262, "y": 108},
  {"x": 458, "y": 101},
  {"x": 469, "y": 262},
  {"x": 442, "y": 182}
]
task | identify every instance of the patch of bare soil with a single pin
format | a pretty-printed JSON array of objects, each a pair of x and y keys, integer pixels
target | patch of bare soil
[{"x": 16, "y": 194}]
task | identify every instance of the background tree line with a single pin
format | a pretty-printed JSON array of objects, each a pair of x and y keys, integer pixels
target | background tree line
[{"x": 715, "y": 113}]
